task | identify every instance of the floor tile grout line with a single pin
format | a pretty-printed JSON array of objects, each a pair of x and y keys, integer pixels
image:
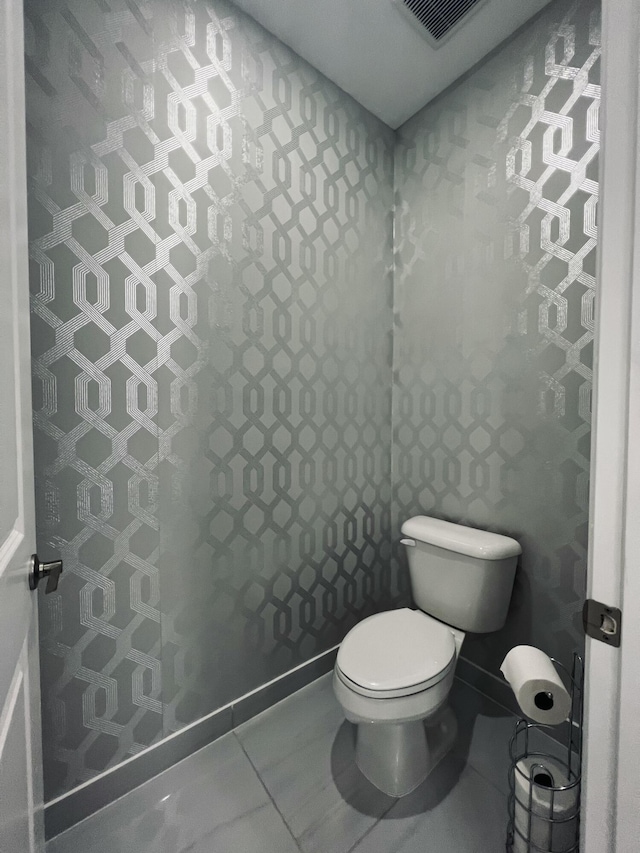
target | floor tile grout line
[
  {"x": 503, "y": 796},
  {"x": 470, "y": 764},
  {"x": 267, "y": 791},
  {"x": 373, "y": 826},
  {"x": 485, "y": 778}
]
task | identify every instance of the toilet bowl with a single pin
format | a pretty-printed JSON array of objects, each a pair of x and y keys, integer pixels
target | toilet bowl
[
  {"x": 394, "y": 670},
  {"x": 392, "y": 678}
]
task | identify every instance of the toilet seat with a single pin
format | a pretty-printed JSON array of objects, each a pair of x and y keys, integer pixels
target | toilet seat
[
  {"x": 394, "y": 694},
  {"x": 396, "y": 653}
]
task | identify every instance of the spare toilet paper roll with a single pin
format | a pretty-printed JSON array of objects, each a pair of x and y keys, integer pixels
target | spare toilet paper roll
[
  {"x": 537, "y": 686},
  {"x": 554, "y": 814}
]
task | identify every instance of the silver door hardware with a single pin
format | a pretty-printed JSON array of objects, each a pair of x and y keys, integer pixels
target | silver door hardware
[
  {"x": 602, "y": 622},
  {"x": 38, "y": 571}
]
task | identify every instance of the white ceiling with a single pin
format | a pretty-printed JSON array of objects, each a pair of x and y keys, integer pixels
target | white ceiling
[{"x": 371, "y": 50}]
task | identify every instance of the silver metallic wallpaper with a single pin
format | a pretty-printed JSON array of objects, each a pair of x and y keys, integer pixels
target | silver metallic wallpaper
[
  {"x": 496, "y": 193},
  {"x": 224, "y": 453},
  {"x": 211, "y": 254}
]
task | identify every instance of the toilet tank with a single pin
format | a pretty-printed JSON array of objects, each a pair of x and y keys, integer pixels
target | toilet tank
[{"x": 460, "y": 575}]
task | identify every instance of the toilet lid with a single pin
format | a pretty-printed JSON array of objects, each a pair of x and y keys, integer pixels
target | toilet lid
[{"x": 396, "y": 649}]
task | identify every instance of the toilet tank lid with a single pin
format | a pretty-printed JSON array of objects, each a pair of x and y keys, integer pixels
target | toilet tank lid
[{"x": 460, "y": 539}]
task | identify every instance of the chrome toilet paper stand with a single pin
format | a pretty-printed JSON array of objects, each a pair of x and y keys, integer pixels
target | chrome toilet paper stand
[{"x": 560, "y": 832}]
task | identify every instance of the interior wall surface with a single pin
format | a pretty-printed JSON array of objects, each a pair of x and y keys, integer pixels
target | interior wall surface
[
  {"x": 211, "y": 273},
  {"x": 495, "y": 255}
]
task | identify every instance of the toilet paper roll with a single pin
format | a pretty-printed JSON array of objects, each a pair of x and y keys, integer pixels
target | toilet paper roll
[
  {"x": 536, "y": 684},
  {"x": 554, "y": 814}
]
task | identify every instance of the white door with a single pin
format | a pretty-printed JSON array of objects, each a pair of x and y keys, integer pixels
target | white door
[
  {"x": 20, "y": 748},
  {"x": 611, "y": 797}
]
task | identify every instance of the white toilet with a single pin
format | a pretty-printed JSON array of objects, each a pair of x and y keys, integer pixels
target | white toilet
[{"x": 394, "y": 670}]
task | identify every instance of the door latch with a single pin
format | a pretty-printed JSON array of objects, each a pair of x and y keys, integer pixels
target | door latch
[
  {"x": 38, "y": 571},
  {"x": 602, "y": 622}
]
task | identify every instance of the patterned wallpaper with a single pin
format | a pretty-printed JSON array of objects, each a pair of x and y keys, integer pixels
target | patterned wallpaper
[
  {"x": 213, "y": 317},
  {"x": 211, "y": 276},
  {"x": 496, "y": 189}
]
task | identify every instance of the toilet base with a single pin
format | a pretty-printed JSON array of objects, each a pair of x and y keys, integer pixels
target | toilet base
[{"x": 397, "y": 757}]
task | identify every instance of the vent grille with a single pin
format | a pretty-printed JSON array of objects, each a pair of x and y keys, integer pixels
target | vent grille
[{"x": 439, "y": 16}]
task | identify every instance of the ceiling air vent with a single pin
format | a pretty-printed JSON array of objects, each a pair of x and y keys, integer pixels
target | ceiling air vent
[{"x": 438, "y": 19}]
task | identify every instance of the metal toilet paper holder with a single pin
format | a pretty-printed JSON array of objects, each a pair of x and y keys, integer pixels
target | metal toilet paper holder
[{"x": 530, "y": 829}]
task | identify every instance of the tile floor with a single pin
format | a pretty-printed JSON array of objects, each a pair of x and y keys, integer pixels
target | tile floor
[{"x": 286, "y": 782}]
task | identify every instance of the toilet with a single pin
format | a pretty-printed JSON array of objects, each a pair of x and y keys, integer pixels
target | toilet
[{"x": 394, "y": 670}]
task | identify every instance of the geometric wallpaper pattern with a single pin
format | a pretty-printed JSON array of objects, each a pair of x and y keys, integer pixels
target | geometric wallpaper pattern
[
  {"x": 223, "y": 452},
  {"x": 496, "y": 183},
  {"x": 211, "y": 274}
]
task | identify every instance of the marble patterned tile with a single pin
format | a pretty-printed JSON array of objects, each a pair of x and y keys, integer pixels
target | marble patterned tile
[
  {"x": 453, "y": 811},
  {"x": 286, "y": 781},
  {"x": 212, "y": 801},
  {"x": 303, "y": 750},
  {"x": 484, "y": 731}
]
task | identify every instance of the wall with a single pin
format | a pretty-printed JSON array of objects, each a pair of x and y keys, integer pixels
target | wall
[
  {"x": 211, "y": 257},
  {"x": 496, "y": 191},
  {"x": 211, "y": 286}
]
